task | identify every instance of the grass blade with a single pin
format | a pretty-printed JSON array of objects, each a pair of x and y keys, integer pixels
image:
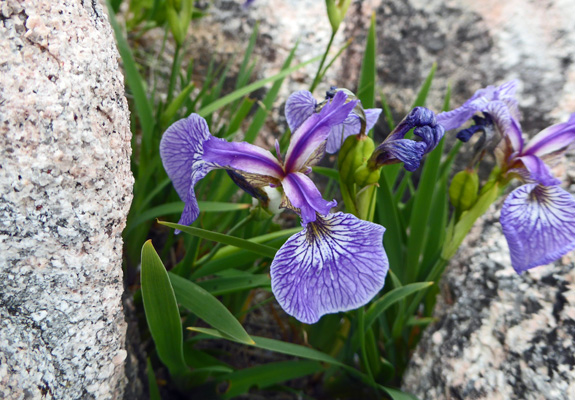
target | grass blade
[{"x": 366, "y": 87}]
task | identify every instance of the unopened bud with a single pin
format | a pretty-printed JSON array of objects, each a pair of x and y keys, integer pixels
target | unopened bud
[{"x": 463, "y": 190}]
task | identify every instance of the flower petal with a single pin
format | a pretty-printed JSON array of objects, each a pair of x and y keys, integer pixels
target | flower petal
[
  {"x": 335, "y": 264},
  {"x": 303, "y": 195},
  {"x": 552, "y": 139},
  {"x": 351, "y": 126},
  {"x": 406, "y": 151},
  {"x": 506, "y": 123},
  {"x": 315, "y": 130},
  {"x": 242, "y": 156},
  {"x": 539, "y": 225},
  {"x": 299, "y": 107},
  {"x": 181, "y": 150},
  {"x": 539, "y": 171}
]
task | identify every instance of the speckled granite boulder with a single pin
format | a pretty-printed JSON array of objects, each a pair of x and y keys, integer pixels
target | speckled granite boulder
[
  {"x": 499, "y": 335},
  {"x": 65, "y": 190},
  {"x": 474, "y": 44}
]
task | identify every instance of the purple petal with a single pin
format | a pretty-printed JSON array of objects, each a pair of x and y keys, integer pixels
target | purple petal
[
  {"x": 335, "y": 264},
  {"x": 552, "y": 139},
  {"x": 455, "y": 118},
  {"x": 407, "y": 151},
  {"x": 302, "y": 194},
  {"x": 315, "y": 130},
  {"x": 508, "y": 126},
  {"x": 181, "y": 150},
  {"x": 299, "y": 107},
  {"x": 539, "y": 171},
  {"x": 351, "y": 126},
  {"x": 430, "y": 135},
  {"x": 539, "y": 225},
  {"x": 242, "y": 156}
]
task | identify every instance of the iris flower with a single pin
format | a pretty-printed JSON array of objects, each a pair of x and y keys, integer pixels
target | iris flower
[
  {"x": 337, "y": 262},
  {"x": 301, "y": 105},
  {"x": 538, "y": 218}
]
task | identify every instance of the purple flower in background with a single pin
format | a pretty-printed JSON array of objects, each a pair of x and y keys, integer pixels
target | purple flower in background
[
  {"x": 301, "y": 105},
  {"x": 337, "y": 262},
  {"x": 538, "y": 218},
  {"x": 395, "y": 148}
]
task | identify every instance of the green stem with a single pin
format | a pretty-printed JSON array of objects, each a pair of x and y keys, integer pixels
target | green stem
[
  {"x": 174, "y": 73},
  {"x": 318, "y": 75},
  {"x": 361, "y": 332}
]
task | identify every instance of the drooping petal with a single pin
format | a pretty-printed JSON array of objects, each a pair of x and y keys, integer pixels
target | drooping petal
[
  {"x": 539, "y": 171},
  {"x": 181, "y": 150},
  {"x": 335, "y": 264},
  {"x": 351, "y": 126},
  {"x": 299, "y": 107},
  {"x": 552, "y": 139},
  {"x": 304, "y": 195},
  {"x": 242, "y": 156},
  {"x": 315, "y": 130},
  {"x": 430, "y": 135},
  {"x": 407, "y": 151},
  {"x": 507, "y": 124},
  {"x": 539, "y": 225}
]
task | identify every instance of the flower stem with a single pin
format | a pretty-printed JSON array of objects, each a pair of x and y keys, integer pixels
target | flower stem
[{"x": 319, "y": 74}]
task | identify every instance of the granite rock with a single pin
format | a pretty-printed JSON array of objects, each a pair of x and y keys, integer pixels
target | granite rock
[
  {"x": 65, "y": 191},
  {"x": 499, "y": 335}
]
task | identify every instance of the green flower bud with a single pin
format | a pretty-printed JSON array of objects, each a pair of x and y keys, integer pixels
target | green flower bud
[
  {"x": 336, "y": 11},
  {"x": 354, "y": 153},
  {"x": 463, "y": 190}
]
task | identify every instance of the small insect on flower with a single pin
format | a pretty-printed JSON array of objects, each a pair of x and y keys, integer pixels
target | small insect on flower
[
  {"x": 538, "y": 218},
  {"x": 337, "y": 262}
]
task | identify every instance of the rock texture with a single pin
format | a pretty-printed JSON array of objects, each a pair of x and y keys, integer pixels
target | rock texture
[
  {"x": 499, "y": 335},
  {"x": 474, "y": 44},
  {"x": 65, "y": 190}
]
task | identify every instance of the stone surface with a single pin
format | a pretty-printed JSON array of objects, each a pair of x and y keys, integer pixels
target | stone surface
[
  {"x": 65, "y": 190},
  {"x": 474, "y": 44},
  {"x": 499, "y": 335}
]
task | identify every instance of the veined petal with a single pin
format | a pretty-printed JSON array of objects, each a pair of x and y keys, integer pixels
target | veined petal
[
  {"x": 303, "y": 195},
  {"x": 335, "y": 264},
  {"x": 539, "y": 225},
  {"x": 181, "y": 150},
  {"x": 315, "y": 130},
  {"x": 455, "y": 118},
  {"x": 242, "y": 156},
  {"x": 299, "y": 107},
  {"x": 539, "y": 171},
  {"x": 552, "y": 139},
  {"x": 350, "y": 126},
  {"x": 407, "y": 151},
  {"x": 508, "y": 126}
]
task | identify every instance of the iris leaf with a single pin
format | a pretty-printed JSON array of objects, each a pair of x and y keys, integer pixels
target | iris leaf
[
  {"x": 257, "y": 248},
  {"x": 366, "y": 87},
  {"x": 208, "y": 308},
  {"x": 162, "y": 310}
]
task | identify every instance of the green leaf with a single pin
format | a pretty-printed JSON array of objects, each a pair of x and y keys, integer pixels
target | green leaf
[
  {"x": 219, "y": 286},
  {"x": 329, "y": 172},
  {"x": 388, "y": 216},
  {"x": 399, "y": 395},
  {"x": 387, "y": 111},
  {"x": 208, "y": 308},
  {"x": 260, "y": 249},
  {"x": 239, "y": 93},
  {"x": 263, "y": 376},
  {"x": 390, "y": 298},
  {"x": 366, "y": 87},
  {"x": 162, "y": 310},
  {"x": 170, "y": 111},
  {"x": 152, "y": 384},
  {"x": 243, "y": 110}
]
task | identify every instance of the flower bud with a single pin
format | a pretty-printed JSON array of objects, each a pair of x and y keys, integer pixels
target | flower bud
[
  {"x": 463, "y": 190},
  {"x": 353, "y": 154}
]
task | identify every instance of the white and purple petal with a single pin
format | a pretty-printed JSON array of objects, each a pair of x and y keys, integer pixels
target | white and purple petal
[
  {"x": 350, "y": 126},
  {"x": 315, "y": 130},
  {"x": 242, "y": 156},
  {"x": 539, "y": 171},
  {"x": 539, "y": 225},
  {"x": 407, "y": 151},
  {"x": 552, "y": 139},
  {"x": 304, "y": 195},
  {"x": 299, "y": 107},
  {"x": 181, "y": 150},
  {"x": 335, "y": 264}
]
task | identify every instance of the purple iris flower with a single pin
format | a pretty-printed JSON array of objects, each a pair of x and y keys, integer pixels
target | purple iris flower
[
  {"x": 301, "y": 105},
  {"x": 395, "y": 148},
  {"x": 538, "y": 218},
  {"x": 337, "y": 262}
]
